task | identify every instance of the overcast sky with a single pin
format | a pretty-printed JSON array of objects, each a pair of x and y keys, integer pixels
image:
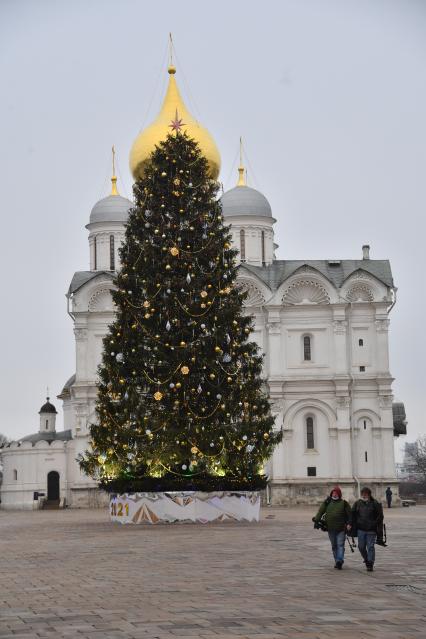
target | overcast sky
[{"x": 330, "y": 97}]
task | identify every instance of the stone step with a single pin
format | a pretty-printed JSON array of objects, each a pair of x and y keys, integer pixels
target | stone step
[{"x": 52, "y": 504}]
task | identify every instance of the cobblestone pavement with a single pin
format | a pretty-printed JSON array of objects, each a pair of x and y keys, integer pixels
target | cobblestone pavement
[{"x": 72, "y": 574}]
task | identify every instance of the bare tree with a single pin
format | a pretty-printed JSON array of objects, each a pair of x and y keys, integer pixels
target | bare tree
[
  {"x": 3, "y": 440},
  {"x": 418, "y": 455}
]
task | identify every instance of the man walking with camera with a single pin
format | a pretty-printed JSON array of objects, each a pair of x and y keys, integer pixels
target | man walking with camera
[
  {"x": 336, "y": 514},
  {"x": 367, "y": 517}
]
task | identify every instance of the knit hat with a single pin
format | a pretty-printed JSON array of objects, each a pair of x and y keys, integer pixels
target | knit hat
[{"x": 337, "y": 490}]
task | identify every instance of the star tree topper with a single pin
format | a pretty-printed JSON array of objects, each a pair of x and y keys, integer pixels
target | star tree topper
[{"x": 177, "y": 123}]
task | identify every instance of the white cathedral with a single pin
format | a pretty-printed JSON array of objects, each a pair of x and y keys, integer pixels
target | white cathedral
[{"x": 322, "y": 325}]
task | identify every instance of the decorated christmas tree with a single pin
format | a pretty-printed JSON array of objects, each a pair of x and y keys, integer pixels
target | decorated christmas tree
[{"x": 181, "y": 402}]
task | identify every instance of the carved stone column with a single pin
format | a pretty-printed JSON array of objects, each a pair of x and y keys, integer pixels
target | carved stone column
[
  {"x": 340, "y": 326},
  {"x": 387, "y": 443},
  {"x": 344, "y": 443},
  {"x": 382, "y": 329},
  {"x": 80, "y": 334},
  {"x": 275, "y": 342},
  {"x": 81, "y": 412},
  {"x": 277, "y": 466}
]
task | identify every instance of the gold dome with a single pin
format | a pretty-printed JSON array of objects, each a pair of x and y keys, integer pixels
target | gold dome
[{"x": 173, "y": 116}]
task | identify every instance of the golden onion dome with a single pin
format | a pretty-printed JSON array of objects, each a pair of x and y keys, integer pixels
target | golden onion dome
[{"x": 174, "y": 116}]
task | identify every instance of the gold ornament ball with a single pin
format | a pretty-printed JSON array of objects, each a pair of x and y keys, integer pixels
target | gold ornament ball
[
  {"x": 168, "y": 267},
  {"x": 146, "y": 304},
  {"x": 178, "y": 385},
  {"x": 203, "y": 293},
  {"x": 212, "y": 375},
  {"x": 163, "y": 174},
  {"x": 158, "y": 396},
  {"x": 194, "y": 450},
  {"x": 265, "y": 435},
  {"x": 217, "y": 349},
  {"x": 229, "y": 380},
  {"x": 182, "y": 344},
  {"x": 174, "y": 251}
]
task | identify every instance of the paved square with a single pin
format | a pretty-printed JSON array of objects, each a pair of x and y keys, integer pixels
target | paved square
[{"x": 72, "y": 574}]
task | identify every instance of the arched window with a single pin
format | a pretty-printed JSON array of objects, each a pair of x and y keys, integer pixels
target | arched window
[
  {"x": 263, "y": 248},
  {"x": 307, "y": 353},
  {"x": 15, "y": 474},
  {"x": 360, "y": 342},
  {"x": 243, "y": 245},
  {"x": 47, "y": 424},
  {"x": 95, "y": 254},
  {"x": 111, "y": 253},
  {"x": 310, "y": 439}
]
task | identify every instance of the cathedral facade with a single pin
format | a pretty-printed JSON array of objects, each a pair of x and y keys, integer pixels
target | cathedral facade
[{"x": 323, "y": 326}]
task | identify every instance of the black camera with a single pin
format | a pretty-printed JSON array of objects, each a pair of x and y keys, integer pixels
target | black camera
[{"x": 320, "y": 525}]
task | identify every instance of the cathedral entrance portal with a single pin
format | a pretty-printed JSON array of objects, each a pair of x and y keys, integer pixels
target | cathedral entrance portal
[{"x": 53, "y": 486}]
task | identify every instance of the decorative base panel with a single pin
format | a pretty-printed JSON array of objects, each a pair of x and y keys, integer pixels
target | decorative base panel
[{"x": 184, "y": 507}]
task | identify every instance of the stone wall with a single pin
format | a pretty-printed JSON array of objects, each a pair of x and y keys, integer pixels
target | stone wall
[
  {"x": 299, "y": 493},
  {"x": 88, "y": 498}
]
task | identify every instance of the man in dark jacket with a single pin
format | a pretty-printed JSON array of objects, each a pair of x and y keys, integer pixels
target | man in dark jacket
[
  {"x": 367, "y": 518},
  {"x": 389, "y": 496},
  {"x": 338, "y": 518}
]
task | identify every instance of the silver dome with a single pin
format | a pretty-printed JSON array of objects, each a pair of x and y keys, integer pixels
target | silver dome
[
  {"x": 243, "y": 200},
  {"x": 113, "y": 208}
]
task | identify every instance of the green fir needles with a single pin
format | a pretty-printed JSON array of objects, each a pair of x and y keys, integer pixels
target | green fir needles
[{"x": 181, "y": 394}]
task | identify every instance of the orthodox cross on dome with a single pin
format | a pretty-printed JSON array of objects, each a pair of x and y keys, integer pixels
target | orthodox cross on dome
[
  {"x": 177, "y": 123},
  {"x": 170, "y": 50},
  {"x": 241, "y": 169},
  {"x": 114, "y": 190}
]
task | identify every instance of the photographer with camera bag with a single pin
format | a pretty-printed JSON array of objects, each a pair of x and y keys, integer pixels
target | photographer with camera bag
[
  {"x": 336, "y": 514},
  {"x": 367, "y": 517}
]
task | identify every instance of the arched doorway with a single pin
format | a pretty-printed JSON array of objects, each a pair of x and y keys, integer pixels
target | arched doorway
[{"x": 53, "y": 486}]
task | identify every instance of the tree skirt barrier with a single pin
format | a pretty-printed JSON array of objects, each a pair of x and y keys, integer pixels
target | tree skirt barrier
[{"x": 184, "y": 507}]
